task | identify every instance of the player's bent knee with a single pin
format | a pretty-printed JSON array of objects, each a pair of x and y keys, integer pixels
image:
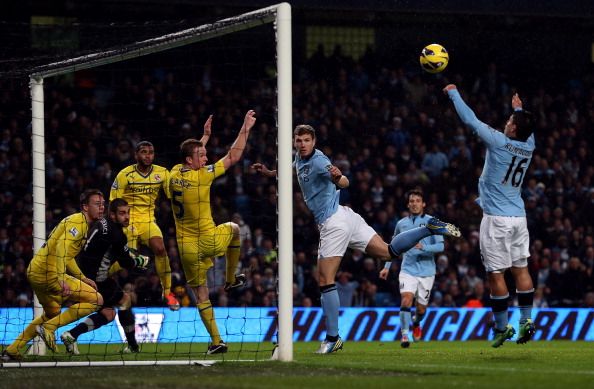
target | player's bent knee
[
  {"x": 157, "y": 246},
  {"x": 406, "y": 301},
  {"x": 50, "y": 313},
  {"x": 234, "y": 228},
  {"x": 108, "y": 313},
  {"x": 125, "y": 302},
  {"x": 160, "y": 253},
  {"x": 100, "y": 300}
]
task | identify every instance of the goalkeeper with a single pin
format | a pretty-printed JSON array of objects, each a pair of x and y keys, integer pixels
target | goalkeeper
[{"x": 106, "y": 244}]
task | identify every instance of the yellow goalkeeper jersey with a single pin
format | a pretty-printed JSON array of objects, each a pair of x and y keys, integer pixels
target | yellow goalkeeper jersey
[
  {"x": 57, "y": 255},
  {"x": 140, "y": 190},
  {"x": 189, "y": 191}
]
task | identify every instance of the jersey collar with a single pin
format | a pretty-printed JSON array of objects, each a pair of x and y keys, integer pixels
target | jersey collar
[
  {"x": 143, "y": 175},
  {"x": 414, "y": 217},
  {"x": 308, "y": 157}
]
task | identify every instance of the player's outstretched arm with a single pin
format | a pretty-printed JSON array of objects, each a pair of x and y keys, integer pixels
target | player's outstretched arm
[
  {"x": 207, "y": 131},
  {"x": 262, "y": 169},
  {"x": 237, "y": 148},
  {"x": 468, "y": 117},
  {"x": 464, "y": 112}
]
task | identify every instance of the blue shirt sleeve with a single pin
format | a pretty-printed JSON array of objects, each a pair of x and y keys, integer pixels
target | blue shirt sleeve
[
  {"x": 322, "y": 164},
  {"x": 434, "y": 244},
  {"x": 488, "y": 134}
]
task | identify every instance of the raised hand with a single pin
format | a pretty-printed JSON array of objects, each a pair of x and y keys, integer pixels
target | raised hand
[
  {"x": 249, "y": 120},
  {"x": 208, "y": 126},
  {"x": 448, "y": 88},
  {"x": 516, "y": 102}
]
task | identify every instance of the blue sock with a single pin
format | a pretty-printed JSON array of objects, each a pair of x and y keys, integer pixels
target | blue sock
[
  {"x": 407, "y": 240},
  {"x": 330, "y": 305},
  {"x": 405, "y": 319},
  {"x": 525, "y": 302},
  {"x": 499, "y": 308}
]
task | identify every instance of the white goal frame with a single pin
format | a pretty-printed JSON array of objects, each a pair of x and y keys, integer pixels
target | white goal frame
[{"x": 280, "y": 15}]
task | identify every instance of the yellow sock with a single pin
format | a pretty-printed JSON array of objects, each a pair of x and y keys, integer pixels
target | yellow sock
[
  {"x": 28, "y": 334},
  {"x": 70, "y": 315},
  {"x": 207, "y": 316},
  {"x": 233, "y": 252},
  {"x": 164, "y": 272}
]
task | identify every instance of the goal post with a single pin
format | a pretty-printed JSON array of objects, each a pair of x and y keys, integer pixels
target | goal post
[
  {"x": 280, "y": 15},
  {"x": 285, "y": 183}
]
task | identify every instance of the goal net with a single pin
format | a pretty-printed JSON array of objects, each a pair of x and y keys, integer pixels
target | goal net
[{"x": 90, "y": 112}]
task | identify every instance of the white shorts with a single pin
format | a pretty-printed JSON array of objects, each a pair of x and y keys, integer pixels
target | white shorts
[
  {"x": 419, "y": 286},
  {"x": 504, "y": 242},
  {"x": 345, "y": 229}
]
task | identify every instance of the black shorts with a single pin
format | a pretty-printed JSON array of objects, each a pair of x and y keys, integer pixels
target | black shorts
[{"x": 111, "y": 292}]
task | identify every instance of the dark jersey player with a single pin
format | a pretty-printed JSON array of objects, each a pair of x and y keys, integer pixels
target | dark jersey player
[{"x": 107, "y": 244}]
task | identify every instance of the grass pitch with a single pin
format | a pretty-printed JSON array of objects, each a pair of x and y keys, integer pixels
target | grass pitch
[{"x": 473, "y": 364}]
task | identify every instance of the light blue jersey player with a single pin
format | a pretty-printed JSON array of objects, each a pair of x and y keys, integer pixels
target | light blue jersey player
[
  {"x": 340, "y": 227},
  {"x": 417, "y": 271},
  {"x": 504, "y": 239}
]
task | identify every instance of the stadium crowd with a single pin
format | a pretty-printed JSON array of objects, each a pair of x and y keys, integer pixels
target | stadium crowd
[{"x": 387, "y": 129}]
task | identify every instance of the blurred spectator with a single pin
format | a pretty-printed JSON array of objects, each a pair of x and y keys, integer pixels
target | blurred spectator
[
  {"x": 409, "y": 141},
  {"x": 346, "y": 288}
]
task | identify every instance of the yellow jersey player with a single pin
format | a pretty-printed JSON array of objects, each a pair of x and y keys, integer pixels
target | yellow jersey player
[
  {"x": 139, "y": 185},
  {"x": 56, "y": 278},
  {"x": 198, "y": 238}
]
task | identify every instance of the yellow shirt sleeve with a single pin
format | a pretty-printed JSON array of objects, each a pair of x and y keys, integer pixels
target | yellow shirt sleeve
[
  {"x": 118, "y": 187},
  {"x": 71, "y": 244},
  {"x": 166, "y": 183},
  {"x": 219, "y": 169}
]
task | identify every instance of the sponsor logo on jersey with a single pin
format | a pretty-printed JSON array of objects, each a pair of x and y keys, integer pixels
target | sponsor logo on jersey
[
  {"x": 210, "y": 168},
  {"x": 104, "y": 226},
  {"x": 73, "y": 231},
  {"x": 143, "y": 189},
  {"x": 157, "y": 177},
  {"x": 179, "y": 182},
  {"x": 114, "y": 185}
]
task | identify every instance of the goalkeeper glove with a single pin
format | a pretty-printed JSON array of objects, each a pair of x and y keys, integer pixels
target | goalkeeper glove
[{"x": 141, "y": 261}]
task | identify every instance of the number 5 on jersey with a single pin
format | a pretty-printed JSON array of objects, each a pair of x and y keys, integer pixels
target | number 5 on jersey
[{"x": 176, "y": 201}]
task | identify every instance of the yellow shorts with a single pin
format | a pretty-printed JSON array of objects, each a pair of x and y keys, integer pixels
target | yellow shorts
[
  {"x": 140, "y": 231},
  {"x": 196, "y": 253},
  {"x": 52, "y": 301}
]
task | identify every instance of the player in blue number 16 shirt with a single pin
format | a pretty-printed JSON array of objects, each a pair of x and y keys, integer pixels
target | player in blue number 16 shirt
[
  {"x": 504, "y": 239},
  {"x": 340, "y": 227}
]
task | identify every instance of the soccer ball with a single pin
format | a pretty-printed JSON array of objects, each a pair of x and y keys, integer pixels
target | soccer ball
[{"x": 434, "y": 58}]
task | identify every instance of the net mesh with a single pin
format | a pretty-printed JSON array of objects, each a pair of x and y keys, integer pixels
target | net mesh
[{"x": 94, "y": 118}]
